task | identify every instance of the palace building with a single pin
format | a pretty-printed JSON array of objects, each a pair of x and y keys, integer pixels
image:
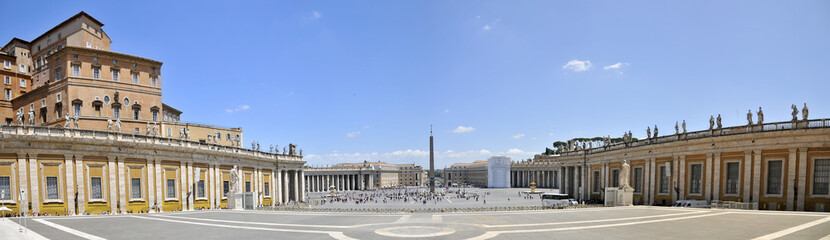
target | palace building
[
  {"x": 363, "y": 176},
  {"x": 86, "y": 131}
]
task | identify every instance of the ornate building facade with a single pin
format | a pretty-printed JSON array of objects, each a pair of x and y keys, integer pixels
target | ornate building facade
[{"x": 87, "y": 132}]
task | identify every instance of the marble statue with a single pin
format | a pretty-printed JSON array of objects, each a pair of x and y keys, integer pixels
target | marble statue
[
  {"x": 719, "y": 123},
  {"x": 32, "y": 117},
  {"x": 292, "y": 149},
  {"x": 253, "y": 145},
  {"x": 109, "y": 124},
  {"x": 301, "y": 152},
  {"x": 257, "y": 145},
  {"x": 630, "y": 136},
  {"x": 795, "y": 112},
  {"x": 676, "y": 128},
  {"x": 148, "y": 129},
  {"x": 66, "y": 120},
  {"x": 749, "y": 117},
  {"x": 155, "y": 130},
  {"x": 684, "y": 126},
  {"x": 623, "y": 178},
  {"x": 655, "y": 131},
  {"x": 760, "y": 116},
  {"x": 234, "y": 180},
  {"x": 648, "y": 132},
  {"x": 75, "y": 121},
  {"x": 181, "y": 133},
  {"x": 272, "y": 149},
  {"x": 187, "y": 133},
  {"x": 805, "y": 111},
  {"x": 711, "y": 122},
  {"x": 118, "y": 125},
  {"x": 20, "y": 117},
  {"x": 283, "y": 150}
]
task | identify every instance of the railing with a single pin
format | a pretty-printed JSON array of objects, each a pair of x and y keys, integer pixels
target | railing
[
  {"x": 755, "y": 128},
  {"x": 115, "y": 136}
]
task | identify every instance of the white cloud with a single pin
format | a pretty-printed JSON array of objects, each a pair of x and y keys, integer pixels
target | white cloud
[
  {"x": 239, "y": 108},
  {"x": 615, "y": 66},
  {"x": 515, "y": 151},
  {"x": 463, "y": 129},
  {"x": 367, "y": 127},
  {"x": 316, "y": 15},
  {"x": 478, "y": 17},
  {"x": 446, "y": 110},
  {"x": 518, "y": 136},
  {"x": 486, "y": 27},
  {"x": 353, "y": 134},
  {"x": 577, "y": 66}
]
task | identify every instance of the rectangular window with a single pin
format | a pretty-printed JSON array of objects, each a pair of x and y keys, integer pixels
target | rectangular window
[
  {"x": 821, "y": 177},
  {"x": 77, "y": 109},
  {"x": 247, "y": 186},
  {"x": 226, "y": 187},
  {"x": 5, "y": 188},
  {"x": 171, "y": 188},
  {"x": 135, "y": 188},
  {"x": 7, "y": 64},
  {"x": 664, "y": 180},
  {"x": 51, "y": 187},
  {"x": 597, "y": 182},
  {"x": 57, "y": 74},
  {"x": 200, "y": 189},
  {"x": 8, "y": 94},
  {"x": 135, "y": 113},
  {"x": 732, "y": 171},
  {"x": 153, "y": 81},
  {"x": 774, "y": 177},
  {"x": 95, "y": 188},
  {"x": 638, "y": 180},
  {"x": 135, "y": 78},
  {"x": 115, "y": 75},
  {"x": 22, "y": 68},
  {"x": 615, "y": 178},
  {"x": 695, "y": 182},
  {"x": 155, "y": 116},
  {"x": 96, "y": 73},
  {"x": 76, "y": 70},
  {"x": 136, "y": 131},
  {"x": 267, "y": 189},
  {"x": 59, "y": 111},
  {"x": 7, "y": 80},
  {"x": 116, "y": 112}
]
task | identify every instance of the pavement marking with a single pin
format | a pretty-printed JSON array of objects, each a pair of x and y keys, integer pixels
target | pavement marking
[
  {"x": 793, "y": 229},
  {"x": 348, "y": 214},
  {"x": 448, "y": 200},
  {"x": 69, "y": 230},
  {"x": 239, "y": 227},
  {"x": 259, "y": 223},
  {"x": 436, "y": 218},
  {"x": 10, "y": 230},
  {"x": 825, "y": 237},
  {"x": 403, "y": 219},
  {"x": 587, "y": 221},
  {"x": 435, "y": 231},
  {"x": 340, "y": 236},
  {"x": 491, "y": 234}
]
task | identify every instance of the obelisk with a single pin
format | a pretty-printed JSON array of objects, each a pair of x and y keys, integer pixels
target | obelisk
[{"x": 431, "y": 164}]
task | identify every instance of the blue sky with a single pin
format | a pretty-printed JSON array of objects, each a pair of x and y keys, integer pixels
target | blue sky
[{"x": 363, "y": 80}]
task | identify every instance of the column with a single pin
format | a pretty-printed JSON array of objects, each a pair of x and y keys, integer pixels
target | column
[
  {"x": 301, "y": 174},
  {"x": 567, "y": 183},
  {"x": 747, "y": 174},
  {"x": 273, "y": 190},
  {"x": 122, "y": 193},
  {"x": 802, "y": 177},
  {"x": 756, "y": 177},
  {"x": 716, "y": 177},
  {"x": 285, "y": 186},
  {"x": 297, "y": 191},
  {"x": 22, "y": 179},
  {"x": 682, "y": 176},
  {"x": 70, "y": 184},
  {"x": 603, "y": 181},
  {"x": 112, "y": 183},
  {"x": 652, "y": 180},
  {"x": 790, "y": 178},
  {"x": 708, "y": 182},
  {"x": 372, "y": 180},
  {"x": 149, "y": 180},
  {"x": 183, "y": 185},
  {"x": 676, "y": 179},
  {"x": 158, "y": 176},
  {"x": 81, "y": 183},
  {"x": 647, "y": 182},
  {"x": 33, "y": 181},
  {"x": 211, "y": 185},
  {"x": 278, "y": 182}
]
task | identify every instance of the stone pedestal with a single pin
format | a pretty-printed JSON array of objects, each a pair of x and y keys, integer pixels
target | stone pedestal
[
  {"x": 619, "y": 197},
  {"x": 235, "y": 201}
]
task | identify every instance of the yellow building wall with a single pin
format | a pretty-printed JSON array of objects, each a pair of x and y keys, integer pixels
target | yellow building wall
[
  {"x": 225, "y": 175},
  {"x": 725, "y": 158},
  {"x": 96, "y": 207},
  {"x": 7, "y": 167},
  {"x": 811, "y": 202},
  {"x": 172, "y": 204},
  {"x": 51, "y": 168},
  {"x": 136, "y": 171},
  {"x": 203, "y": 203},
  {"x": 659, "y": 198}
]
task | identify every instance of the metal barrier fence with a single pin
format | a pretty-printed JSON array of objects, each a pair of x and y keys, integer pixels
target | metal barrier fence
[
  {"x": 306, "y": 208},
  {"x": 733, "y": 205}
]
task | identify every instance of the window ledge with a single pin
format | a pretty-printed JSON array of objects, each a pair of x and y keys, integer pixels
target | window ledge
[
  {"x": 171, "y": 199},
  {"x": 53, "y": 201},
  {"x": 97, "y": 201},
  {"x": 136, "y": 200},
  {"x": 8, "y": 202},
  {"x": 201, "y": 198}
]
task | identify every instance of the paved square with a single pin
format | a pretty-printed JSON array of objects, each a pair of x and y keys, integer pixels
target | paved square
[{"x": 637, "y": 222}]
